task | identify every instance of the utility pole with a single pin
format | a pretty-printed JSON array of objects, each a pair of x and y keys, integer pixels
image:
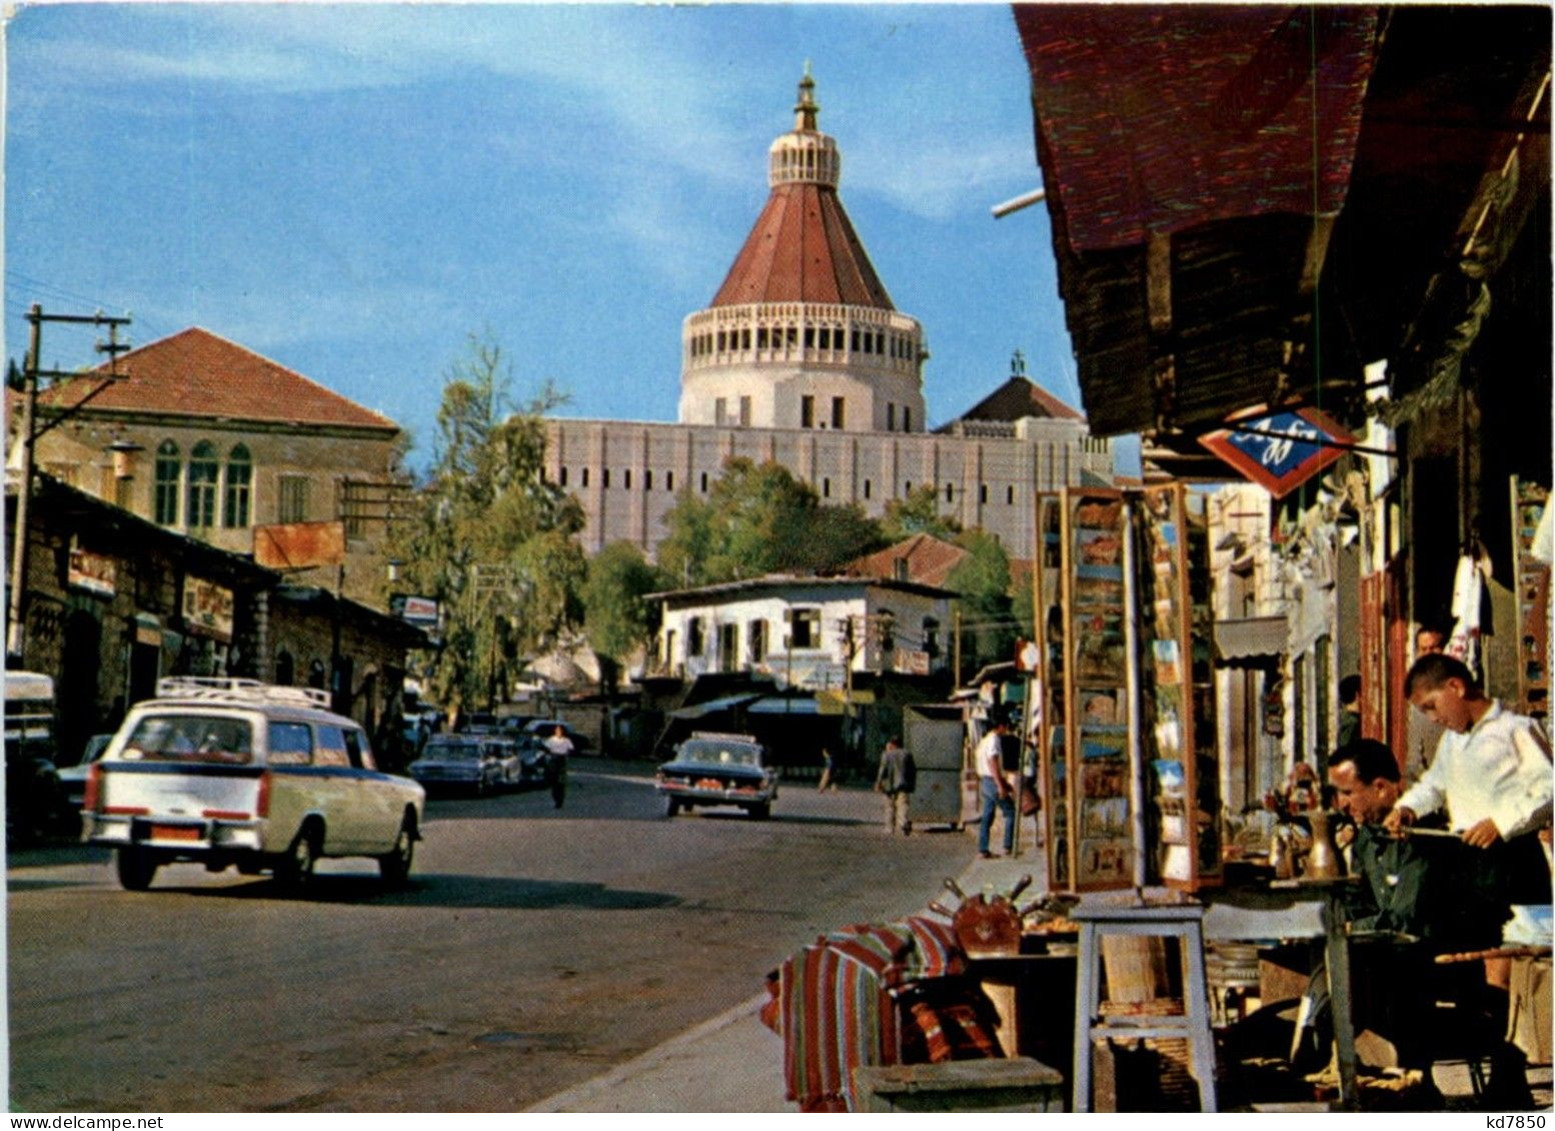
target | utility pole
[
  {"x": 28, "y": 433},
  {"x": 955, "y": 648}
]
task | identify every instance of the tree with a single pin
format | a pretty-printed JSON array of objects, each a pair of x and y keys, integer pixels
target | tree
[
  {"x": 493, "y": 541},
  {"x": 759, "y": 519},
  {"x": 983, "y": 581},
  {"x": 917, "y": 513},
  {"x": 618, "y": 618}
]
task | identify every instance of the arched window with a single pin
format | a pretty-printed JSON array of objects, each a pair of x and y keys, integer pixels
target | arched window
[
  {"x": 204, "y": 471},
  {"x": 240, "y": 478},
  {"x": 285, "y": 669},
  {"x": 169, "y": 467}
]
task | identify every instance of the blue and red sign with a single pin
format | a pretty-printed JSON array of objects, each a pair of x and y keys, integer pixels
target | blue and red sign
[{"x": 1282, "y": 451}]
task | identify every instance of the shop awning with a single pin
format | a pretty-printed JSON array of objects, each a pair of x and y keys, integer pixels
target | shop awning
[
  {"x": 713, "y": 706},
  {"x": 1249, "y": 641},
  {"x": 786, "y": 705}
]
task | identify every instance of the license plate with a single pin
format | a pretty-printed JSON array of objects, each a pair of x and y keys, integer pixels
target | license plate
[{"x": 175, "y": 832}]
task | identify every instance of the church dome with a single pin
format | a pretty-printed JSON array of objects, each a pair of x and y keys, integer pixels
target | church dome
[
  {"x": 803, "y": 247},
  {"x": 802, "y": 333}
]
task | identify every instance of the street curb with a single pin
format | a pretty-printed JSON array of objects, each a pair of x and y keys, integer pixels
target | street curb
[{"x": 645, "y": 1063}]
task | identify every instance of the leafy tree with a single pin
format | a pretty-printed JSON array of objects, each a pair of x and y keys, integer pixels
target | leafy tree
[
  {"x": 618, "y": 619},
  {"x": 759, "y": 519},
  {"x": 987, "y": 612},
  {"x": 492, "y": 540},
  {"x": 917, "y": 513}
]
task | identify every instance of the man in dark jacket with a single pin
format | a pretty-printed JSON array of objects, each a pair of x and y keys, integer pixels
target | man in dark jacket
[{"x": 897, "y": 778}]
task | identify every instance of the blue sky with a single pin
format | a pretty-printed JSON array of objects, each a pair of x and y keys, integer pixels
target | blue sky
[{"x": 353, "y": 190}]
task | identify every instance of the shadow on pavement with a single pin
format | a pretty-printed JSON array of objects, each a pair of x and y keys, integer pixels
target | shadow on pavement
[{"x": 437, "y": 890}]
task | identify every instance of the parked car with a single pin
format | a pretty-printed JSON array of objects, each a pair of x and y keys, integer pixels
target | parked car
[
  {"x": 534, "y": 761},
  {"x": 73, "y": 778},
  {"x": 478, "y": 722},
  {"x": 34, "y": 798},
  {"x": 457, "y": 762},
  {"x": 505, "y": 751},
  {"x": 232, "y": 772},
  {"x": 719, "y": 769}
]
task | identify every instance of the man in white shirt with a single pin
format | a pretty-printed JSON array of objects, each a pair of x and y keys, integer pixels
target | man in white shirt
[{"x": 993, "y": 787}]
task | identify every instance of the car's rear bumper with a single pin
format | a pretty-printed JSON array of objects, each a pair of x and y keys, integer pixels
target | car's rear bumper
[{"x": 182, "y": 835}]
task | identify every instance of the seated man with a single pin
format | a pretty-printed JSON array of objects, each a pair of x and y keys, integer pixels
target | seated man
[{"x": 1438, "y": 891}]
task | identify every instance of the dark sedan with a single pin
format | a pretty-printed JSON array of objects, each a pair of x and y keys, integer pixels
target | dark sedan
[{"x": 719, "y": 769}]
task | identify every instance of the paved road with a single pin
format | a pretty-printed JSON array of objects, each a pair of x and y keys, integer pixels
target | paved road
[{"x": 536, "y": 950}]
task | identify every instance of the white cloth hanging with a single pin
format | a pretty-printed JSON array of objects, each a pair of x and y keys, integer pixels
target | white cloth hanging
[{"x": 1468, "y": 595}]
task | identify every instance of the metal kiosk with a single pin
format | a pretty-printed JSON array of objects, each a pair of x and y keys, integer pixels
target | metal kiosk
[{"x": 933, "y": 735}]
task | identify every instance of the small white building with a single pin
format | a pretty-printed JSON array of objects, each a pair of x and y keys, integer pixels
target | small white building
[{"x": 805, "y": 632}]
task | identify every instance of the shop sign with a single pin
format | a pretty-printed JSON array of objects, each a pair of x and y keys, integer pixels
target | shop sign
[
  {"x": 1282, "y": 451},
  {"x": 92, "y": 572},
  {"x": 419, "y": 611},
  {"x": 208, "y": 609},
  {"x": 908, "y": 661},
  {"x": 300, "y": 545}
]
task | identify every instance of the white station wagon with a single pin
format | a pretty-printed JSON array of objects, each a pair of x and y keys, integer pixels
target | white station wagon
[{"x": 232, "y": 772}]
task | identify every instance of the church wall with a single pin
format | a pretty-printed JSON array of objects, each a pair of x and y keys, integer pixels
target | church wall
[{"x": 627, "y": 475}]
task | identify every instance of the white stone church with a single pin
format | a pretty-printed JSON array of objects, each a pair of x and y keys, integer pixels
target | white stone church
[{"x": 802, "y": 359}]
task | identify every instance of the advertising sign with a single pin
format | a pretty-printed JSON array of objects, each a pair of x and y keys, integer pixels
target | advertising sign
[
  {"x": 1282, "y": 451},
  {"x": 208, "y": 609},
  {"x": 300, "y": 545},
  {"x": 92, "y": 572}
]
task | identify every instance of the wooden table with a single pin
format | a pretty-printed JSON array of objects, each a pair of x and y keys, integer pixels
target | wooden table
[{"x": 1295, "y": 909}]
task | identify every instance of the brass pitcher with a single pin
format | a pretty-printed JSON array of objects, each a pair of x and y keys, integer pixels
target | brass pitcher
[
  {"x": 1280, "y": 855},
  {"x": 1323, "y": 861}
]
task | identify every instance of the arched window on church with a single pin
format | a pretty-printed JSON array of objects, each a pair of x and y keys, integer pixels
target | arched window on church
[{"x": 285, "y": 669}]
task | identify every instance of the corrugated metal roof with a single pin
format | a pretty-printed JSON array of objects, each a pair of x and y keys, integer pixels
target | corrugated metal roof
[
  {"x": 803, "y": 249},
  {"x": 199, "y": 374}
]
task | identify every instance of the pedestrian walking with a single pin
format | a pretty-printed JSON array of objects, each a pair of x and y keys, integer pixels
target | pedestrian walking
[
  {"x": 558, "y": 748},
  {"x": 828, "y": 770},
  {"x": 993, "y": 787},
  {"x": 897, "y": 779}
]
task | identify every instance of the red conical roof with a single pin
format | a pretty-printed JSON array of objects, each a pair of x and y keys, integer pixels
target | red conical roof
[{"x": 803, "y": 249}]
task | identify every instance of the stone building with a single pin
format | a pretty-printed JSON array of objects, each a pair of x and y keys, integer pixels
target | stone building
[
  {"x": 113, "y": 602},
  {"x": 802, "y": 359},
  {"x": 206, "y": 438}
]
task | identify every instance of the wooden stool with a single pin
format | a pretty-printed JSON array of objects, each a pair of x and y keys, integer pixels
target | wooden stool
[{"x": 1183, "y": 921}]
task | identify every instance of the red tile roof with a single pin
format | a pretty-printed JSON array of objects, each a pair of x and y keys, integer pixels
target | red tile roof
[
  {"x": 803, "y": 249},
  {"x": 1018, "y": 398},
  {"x": 197, "y": 373},
  {"x": 929, "y": 561}
]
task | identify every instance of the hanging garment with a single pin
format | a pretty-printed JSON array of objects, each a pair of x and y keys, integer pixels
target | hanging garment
[{"x": 1468, "y": 596}]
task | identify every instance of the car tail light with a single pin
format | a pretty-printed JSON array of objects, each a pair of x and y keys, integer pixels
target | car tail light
[
  {"x": 93, "y": 789},
  {"x": 262, "y": 804},
  {"x": 225, "y": 814}
]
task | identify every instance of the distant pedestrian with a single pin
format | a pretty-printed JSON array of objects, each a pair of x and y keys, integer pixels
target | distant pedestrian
[
  {"x": 897, "y": 779},
  {"x": 993, "y": 787},
  {"x": 558, "y": 747},
  {"x": 1349, "y": 710},
  {"x": 828, "y": 769}
]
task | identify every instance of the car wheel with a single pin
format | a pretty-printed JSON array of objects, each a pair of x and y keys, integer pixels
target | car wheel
[
  {"x": 671, "y": 807},
  {"x": 136, "y": 867},
  {"x": 394, "y": 865},
  {"x": 762, "y": 811},
  {"x": 295, "y": 871}
]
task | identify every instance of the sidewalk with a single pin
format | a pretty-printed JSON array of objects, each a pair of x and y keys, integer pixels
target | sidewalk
[{"x": 734, "y": 1063}]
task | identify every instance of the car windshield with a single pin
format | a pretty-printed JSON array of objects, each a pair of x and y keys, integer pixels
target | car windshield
[
  {"x": 704, "y": 752},
  {"x": 190, "y": 738},
  {"x": 454, "y": 751}
]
